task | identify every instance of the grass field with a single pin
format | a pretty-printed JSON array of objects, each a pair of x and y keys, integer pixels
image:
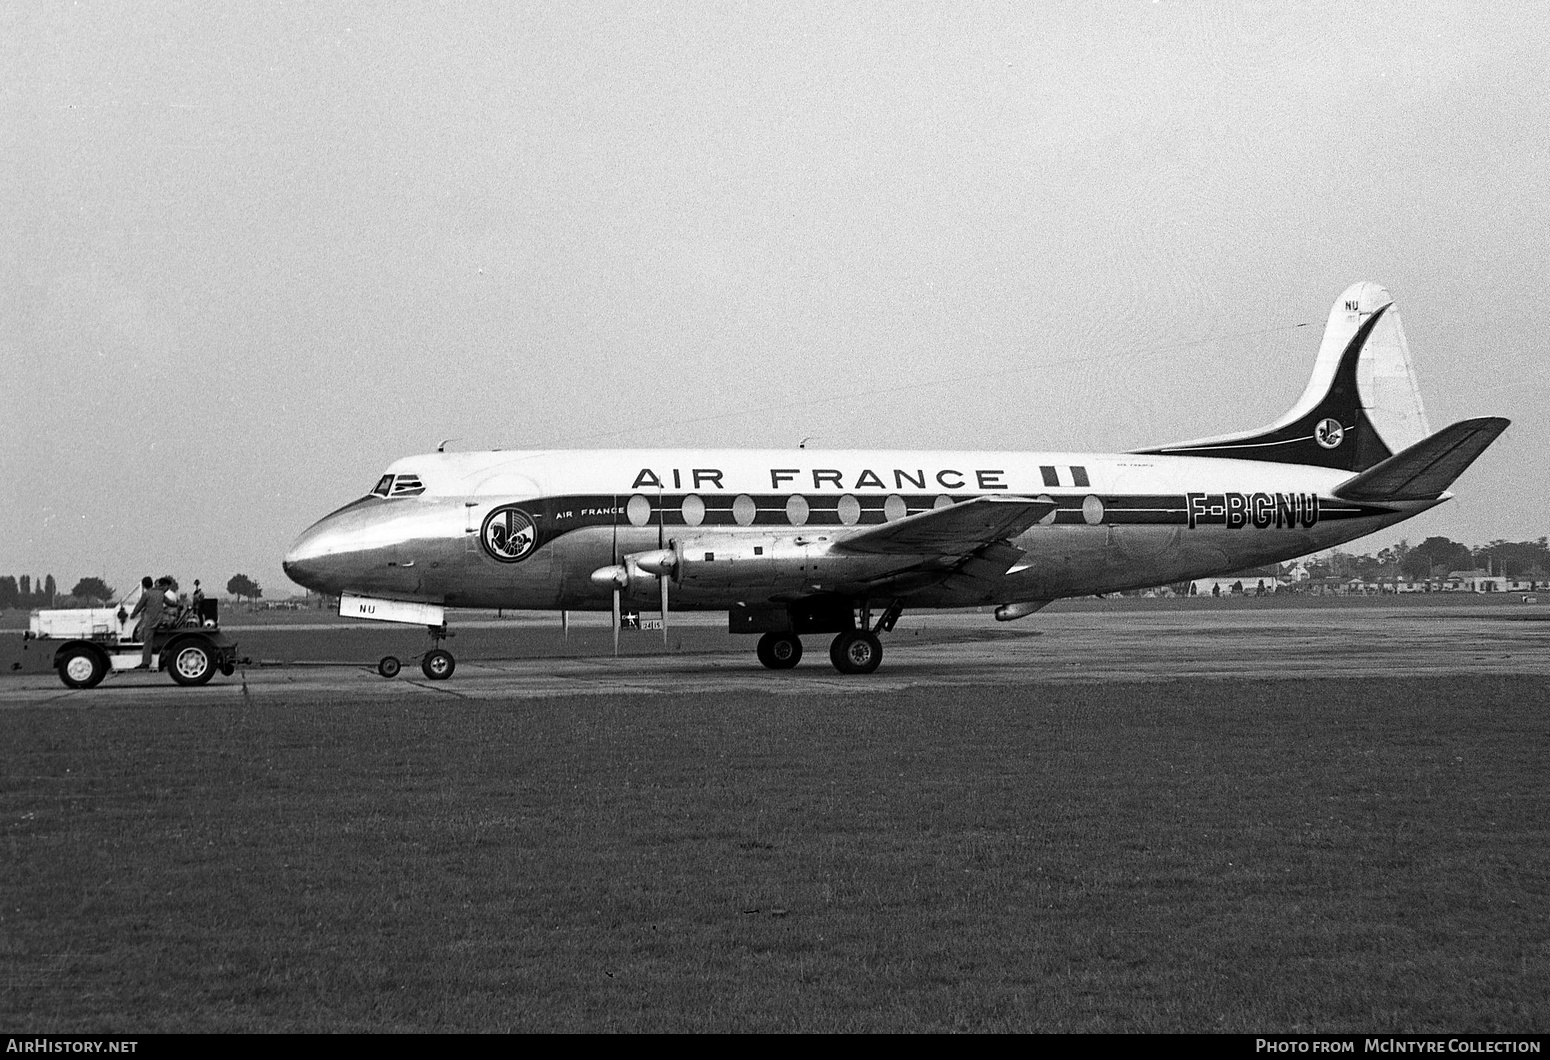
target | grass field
[{"x": 1238, "y": 856}]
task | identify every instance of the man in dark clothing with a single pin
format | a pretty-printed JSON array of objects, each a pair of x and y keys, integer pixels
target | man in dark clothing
[{"x": 150, "y": 605}]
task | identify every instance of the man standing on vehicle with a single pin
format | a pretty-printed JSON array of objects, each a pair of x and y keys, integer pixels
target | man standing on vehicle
[{"x": 151, "y": 603}]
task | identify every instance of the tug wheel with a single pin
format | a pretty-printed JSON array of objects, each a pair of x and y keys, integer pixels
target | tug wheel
[
  {"x": 192, "y": 663},
  {"x": 82, "y": 668}
]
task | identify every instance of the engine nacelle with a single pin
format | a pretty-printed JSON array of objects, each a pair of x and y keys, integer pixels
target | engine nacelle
[
  {"x": 798, "y": 563},
  {"x": 1012, "y": 612},
  {"x": 760, "y": 564}
]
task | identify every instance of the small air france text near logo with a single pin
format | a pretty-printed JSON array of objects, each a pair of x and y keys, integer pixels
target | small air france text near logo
[
  {"x": 508, "y": 534},
  {"x": 1329, "y": 433}
]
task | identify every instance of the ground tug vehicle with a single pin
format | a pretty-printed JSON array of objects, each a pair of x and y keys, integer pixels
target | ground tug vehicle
[{"x": 96, "y": 641}]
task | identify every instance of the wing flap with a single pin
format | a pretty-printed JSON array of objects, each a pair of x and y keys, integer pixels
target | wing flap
[{"x": 957, "y": 530}]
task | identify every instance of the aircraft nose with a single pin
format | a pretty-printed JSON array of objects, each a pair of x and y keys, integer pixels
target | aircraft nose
[
  {"x": 301, "y": 562},
  {"x": 359, "y": 548},
  {"x": 321, "y": 556}
]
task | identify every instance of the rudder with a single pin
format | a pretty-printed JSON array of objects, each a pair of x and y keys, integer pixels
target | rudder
[{"x": 1361, "y": 404}]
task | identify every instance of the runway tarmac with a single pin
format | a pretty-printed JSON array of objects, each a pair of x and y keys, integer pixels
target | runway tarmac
[{"x": 936, "y": 651}]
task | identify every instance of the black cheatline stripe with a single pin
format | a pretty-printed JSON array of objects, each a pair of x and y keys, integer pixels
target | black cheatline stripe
[{"x": 823, "y": 510}]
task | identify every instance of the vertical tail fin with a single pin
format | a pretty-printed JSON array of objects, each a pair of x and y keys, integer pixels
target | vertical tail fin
[{"x": 1361, "y": 404}]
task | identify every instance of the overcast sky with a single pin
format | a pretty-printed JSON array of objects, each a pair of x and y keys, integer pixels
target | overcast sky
[{"x": 251, "y": 253}]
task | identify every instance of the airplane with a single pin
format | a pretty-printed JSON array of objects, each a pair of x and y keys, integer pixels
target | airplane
[{"x": 813, "y": 543}]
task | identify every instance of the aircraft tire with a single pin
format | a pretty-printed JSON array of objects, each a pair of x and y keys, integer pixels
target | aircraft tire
[
  {"x": 856, "y": 652},
  {"x": 389, "y": 666},
  {"x": 779, "y": 651},
  {"x": 82, "y": 668},
  {"x": 438, "y": 664}
]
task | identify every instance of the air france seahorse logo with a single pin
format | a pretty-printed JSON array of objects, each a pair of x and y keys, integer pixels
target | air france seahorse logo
[
  {"x": 1329, "y": 433},
  {"x": 508, "y": 534}
]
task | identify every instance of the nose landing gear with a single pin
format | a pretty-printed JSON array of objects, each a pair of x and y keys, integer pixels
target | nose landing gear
[{"x": 436, "y": 664}]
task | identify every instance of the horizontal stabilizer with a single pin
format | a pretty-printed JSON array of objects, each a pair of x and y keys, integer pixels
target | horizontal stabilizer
[
  {"x": 955, "y": 530},
  {"x": 1428, "y": 467}
]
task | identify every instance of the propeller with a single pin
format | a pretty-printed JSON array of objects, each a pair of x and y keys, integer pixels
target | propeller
[
  {"x": 617, "y": 619},
  {"x": 663, "y": 563},
  {"x": 662, "y": 544},
  {"x": 615, "y": 578},
  {"x": 618, "y": 582}
]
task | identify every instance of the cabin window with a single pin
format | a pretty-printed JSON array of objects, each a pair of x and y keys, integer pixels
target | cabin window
[
  {"x": 638, "y": 510},
  {"x": 744, "y": 510},
  {"x": 1079, "y": 476},
  {"x": 849, "y": 510},
  {"x": 1050, "y": 477},
  {"x": 693, "y": 509}
]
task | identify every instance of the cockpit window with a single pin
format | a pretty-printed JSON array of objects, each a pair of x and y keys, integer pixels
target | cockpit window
[{"x": 398, "y": 486}]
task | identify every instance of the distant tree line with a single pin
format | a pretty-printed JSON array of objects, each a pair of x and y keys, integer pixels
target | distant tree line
[
  {"x": 241, "y": 586},
  {"x": 24, "y": 593},
  {"x": 1437, "y": 557}
]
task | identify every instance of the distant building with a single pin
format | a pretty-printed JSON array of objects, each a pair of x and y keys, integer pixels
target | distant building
[
  {"x": 1297, "y": 572},
  {"x": 1474, "y": 581},
  {"x": 1257, "y": 582}
]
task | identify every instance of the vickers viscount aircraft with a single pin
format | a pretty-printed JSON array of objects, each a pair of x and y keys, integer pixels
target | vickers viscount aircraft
[{"x": 795, "y": 543}]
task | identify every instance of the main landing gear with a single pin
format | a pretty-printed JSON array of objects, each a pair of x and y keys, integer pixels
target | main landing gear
[
  {"x": 854, "y": 651},
  {"x": 436, "y": 664}
]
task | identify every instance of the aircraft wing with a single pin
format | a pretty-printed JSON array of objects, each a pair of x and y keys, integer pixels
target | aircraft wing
[{"x": 957, "y": 530}]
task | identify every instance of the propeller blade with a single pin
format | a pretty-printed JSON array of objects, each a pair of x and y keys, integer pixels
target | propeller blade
[
  {"x": 662, "y": 544},
  {"x": 617, "y": 584}
]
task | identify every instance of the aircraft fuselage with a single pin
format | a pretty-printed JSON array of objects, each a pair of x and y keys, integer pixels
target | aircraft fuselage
[
  {"x": 793, "y": 542},
  {"x": 755, "y": 528}
]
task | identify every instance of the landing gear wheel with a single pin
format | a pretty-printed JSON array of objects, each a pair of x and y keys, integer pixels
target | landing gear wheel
[
  {"x": 856, "y": 652},
  {"x": 438, "y": 664},
  {"x": 389, "y": 666},
  {"x": 227, "y": 669},
  {"x": 192, "y": 664},
  {"x": 779, "y": 651},
  {"x": 82, "y": 668}
]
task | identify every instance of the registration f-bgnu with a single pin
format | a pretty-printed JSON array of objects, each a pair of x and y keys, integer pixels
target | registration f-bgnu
[{"x": 806, "y": 543}]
